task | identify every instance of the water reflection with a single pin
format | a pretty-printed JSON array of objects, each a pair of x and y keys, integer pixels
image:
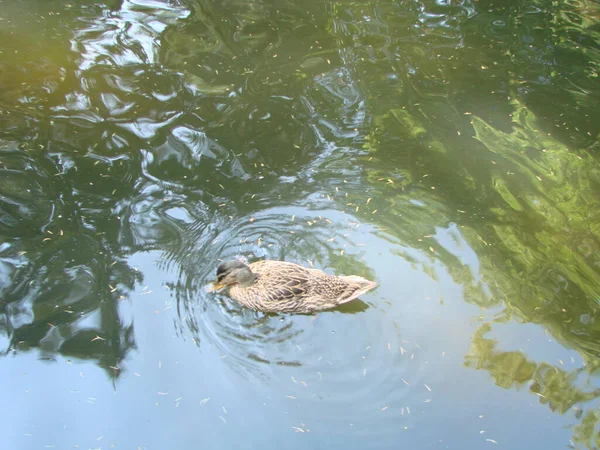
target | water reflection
[
  {"x": 561, "y": 389},
  {"x": 61, "y": 278},
  {"x": 456, "y": 137}
]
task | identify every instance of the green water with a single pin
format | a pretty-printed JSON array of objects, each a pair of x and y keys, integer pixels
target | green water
[{"x": 447, "y": 150}]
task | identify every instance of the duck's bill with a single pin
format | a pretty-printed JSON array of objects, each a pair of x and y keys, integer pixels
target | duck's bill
[{"x": 213, "y": 286}]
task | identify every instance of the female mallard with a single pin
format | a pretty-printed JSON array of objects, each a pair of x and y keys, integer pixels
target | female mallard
[{"x": 278, "y": 286}]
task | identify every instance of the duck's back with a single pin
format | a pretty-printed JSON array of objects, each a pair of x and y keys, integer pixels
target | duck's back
[{"x": 287, "y": 287}]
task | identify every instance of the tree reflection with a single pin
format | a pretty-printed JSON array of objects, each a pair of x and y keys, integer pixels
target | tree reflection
[
  {"x": 455, "y": 119},
  {"x": 553, "y": 385},
  {"x": 480, "y": 159},
  {"x": 62, "y": 280}
]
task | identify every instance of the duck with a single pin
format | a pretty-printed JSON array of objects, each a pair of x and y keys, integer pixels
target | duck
[{"x": 273, "y": 286}]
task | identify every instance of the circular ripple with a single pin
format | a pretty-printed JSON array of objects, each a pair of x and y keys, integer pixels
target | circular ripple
[
  {"x": 252, "y": 341},
  {"x": 375, "y": 381}
]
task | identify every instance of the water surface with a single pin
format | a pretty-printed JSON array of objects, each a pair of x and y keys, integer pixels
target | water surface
[{"x": 447, "y": 150}]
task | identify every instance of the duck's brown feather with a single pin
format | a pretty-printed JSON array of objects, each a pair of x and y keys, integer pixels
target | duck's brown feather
[{"x": 287, "y": 287}]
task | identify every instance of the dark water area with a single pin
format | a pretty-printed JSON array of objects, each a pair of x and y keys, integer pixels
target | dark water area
[{"x": 448, "y": 150}]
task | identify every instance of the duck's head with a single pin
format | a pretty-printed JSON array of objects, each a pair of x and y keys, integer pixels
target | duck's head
[{"x": 233, "y": 272}]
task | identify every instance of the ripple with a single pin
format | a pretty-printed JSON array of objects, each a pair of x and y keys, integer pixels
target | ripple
[
  {"x": 25, "y": 202},
  {"x": 129, "y": 38},
  {"x": 252, "y": 340},
  {"x": 300, "y": 347}
]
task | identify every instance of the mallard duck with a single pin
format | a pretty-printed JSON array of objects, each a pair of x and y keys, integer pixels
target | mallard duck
[{"x": 278, "y": 286}]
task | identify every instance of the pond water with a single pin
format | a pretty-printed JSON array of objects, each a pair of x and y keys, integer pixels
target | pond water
[{"x": 447, "y": 150}]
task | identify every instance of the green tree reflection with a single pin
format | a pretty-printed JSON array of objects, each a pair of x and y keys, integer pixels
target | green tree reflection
[
  {"x": 553, "y": 385},
  {"x": 478, "y": 136}
]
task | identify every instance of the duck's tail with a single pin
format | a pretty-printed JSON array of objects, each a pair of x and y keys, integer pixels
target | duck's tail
[{"x": 357, "y": 287}]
